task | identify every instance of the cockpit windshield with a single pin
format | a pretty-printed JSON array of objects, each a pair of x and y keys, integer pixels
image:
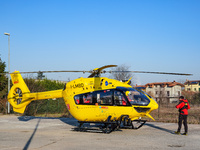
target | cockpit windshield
[{"x": 136, "y": 97}]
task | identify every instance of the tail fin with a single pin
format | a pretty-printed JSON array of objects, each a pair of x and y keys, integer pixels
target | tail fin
[{"x": 20, "y": 96}]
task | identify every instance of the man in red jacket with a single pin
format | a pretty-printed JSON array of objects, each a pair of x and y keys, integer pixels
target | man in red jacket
[{"x": 183, "y": 107}]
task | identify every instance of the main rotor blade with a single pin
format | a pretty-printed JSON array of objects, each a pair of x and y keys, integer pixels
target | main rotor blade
[
  {"x": 98, "y": 70},
  {"x": 107, "y": 66},
  {"x": 185, "y": 74},
  {"x": 46, "y": 72}
]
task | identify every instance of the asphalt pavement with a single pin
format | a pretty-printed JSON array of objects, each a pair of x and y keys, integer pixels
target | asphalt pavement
[{"x": 38, "y": 133}]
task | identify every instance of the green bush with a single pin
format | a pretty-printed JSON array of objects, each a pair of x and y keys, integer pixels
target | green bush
[{"x": 45, "y": 106}]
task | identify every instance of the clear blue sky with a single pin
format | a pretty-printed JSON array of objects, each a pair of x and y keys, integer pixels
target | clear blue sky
[{"x": 149, "y": 35}]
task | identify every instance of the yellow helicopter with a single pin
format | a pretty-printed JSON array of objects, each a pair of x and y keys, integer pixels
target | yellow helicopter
[{"x": 92, "y": 100}]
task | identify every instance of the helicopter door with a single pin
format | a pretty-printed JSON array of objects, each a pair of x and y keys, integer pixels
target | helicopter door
[
  {"x": 104, "y": 101},
  {"x": 104, "y": 97},
  {"x": 121, "y": 105},
  {"x": 120, "y": 99}
]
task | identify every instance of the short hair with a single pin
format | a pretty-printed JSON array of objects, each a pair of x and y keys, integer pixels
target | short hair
[{"x": 181, "y": 97}]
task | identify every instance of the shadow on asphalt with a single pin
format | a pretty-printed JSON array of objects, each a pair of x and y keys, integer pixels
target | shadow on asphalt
[
  {"x": 72, "y": 122},
  {"x": 30, "y": 139},
  {"x": 69, "y": 121},
  {"x": 159, "y": 128},
  {"x": 87, "y": 127}
]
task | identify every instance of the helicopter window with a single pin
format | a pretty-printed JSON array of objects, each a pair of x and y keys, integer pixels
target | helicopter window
[
  {"x": 119, "y": 99},
  {"x": 87, "y": 98},
  {"x": 103, "y": 97},
  {"x": 137, "y": 98},
  {"x": 77, "y": 99},
  {"x": 84, "y": 99}
]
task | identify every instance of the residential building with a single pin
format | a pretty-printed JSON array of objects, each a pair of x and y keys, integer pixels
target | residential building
[
  {"x": 192, "y": 85},
  {"x": 166, "y": 92}
]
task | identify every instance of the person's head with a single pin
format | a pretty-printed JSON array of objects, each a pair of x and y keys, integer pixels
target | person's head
[{"x": 181, "y": 97}]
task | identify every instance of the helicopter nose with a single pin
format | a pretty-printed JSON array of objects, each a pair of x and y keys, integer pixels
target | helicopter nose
[{"x": 154, "y": 104}]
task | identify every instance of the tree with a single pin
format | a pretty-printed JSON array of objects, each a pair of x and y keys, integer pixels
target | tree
[
  {"x": 40, "y": 75},
  {"x": 34, "y": 86},
  {"x": 196, "y": 98},
  {"x": 3, "y": 87},
  {"x": 192, "y": 97},
  {"x": 122, "y": 75}
]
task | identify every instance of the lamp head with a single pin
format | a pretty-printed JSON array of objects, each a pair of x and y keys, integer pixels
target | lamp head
[{"x": 8, "y": 34}]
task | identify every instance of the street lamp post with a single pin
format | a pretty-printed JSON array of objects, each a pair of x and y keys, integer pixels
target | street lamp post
[{"x": 8, "y": 34}]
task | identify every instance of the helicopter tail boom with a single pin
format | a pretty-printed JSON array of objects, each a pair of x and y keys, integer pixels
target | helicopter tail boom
[{"x": 19, "y": 95}]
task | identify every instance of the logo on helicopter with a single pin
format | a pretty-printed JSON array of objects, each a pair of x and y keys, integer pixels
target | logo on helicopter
[
  {"x": 106, "y": 83},
  {"x": 79, "y": 85}
]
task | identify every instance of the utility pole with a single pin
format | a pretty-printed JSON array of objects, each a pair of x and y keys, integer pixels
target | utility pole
[{"x": 8, "y": 34}]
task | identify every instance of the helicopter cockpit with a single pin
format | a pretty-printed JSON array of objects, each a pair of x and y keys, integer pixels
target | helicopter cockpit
[{"x": 135, "y": 97}]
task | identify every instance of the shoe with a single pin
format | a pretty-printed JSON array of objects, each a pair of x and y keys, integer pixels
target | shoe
[
  {"x": 185, "y": 133},
  {"x": 176, "y": 132}
]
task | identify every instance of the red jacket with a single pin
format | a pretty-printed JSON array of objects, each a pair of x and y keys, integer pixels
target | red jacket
[{"x": 183, "y": 106}]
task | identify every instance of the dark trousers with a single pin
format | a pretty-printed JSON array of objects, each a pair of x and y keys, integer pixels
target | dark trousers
[{"x": 182, "y": 118}]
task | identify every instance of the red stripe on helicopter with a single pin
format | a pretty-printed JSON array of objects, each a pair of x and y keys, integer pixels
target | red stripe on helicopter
[
  {"x": 16, "y": 82},
  {"x": 104, "y": 107},
  {"x": 68, "y": 106}
]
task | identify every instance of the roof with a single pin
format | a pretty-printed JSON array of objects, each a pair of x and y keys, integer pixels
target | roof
[
  {"x": 163, "y": 84},
  {"x": 140, "y": 87},
  {"x": 192, "y": 82}
]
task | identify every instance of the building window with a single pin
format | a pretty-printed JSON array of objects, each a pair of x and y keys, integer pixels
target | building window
[
  {"x": 179, "y": 93},
  {"x": 188, "y": 89},
  {"x": 168, "y": 93},
  {"x": 156, "y": 92},
  {"x": 195, "y": 89}
]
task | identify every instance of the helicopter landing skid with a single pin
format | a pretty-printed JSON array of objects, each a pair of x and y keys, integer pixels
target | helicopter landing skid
[
  {"x": 126, "y": 123},
  {"x": 139, "y": 123},
  {"x": 105, "y": 127},
  {"x": 109, "y": 125}
]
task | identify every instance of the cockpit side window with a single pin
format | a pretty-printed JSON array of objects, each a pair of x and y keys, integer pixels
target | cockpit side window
[
  {"x": 137, "y": 98},
  {"x": 120, "y": 99}
]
